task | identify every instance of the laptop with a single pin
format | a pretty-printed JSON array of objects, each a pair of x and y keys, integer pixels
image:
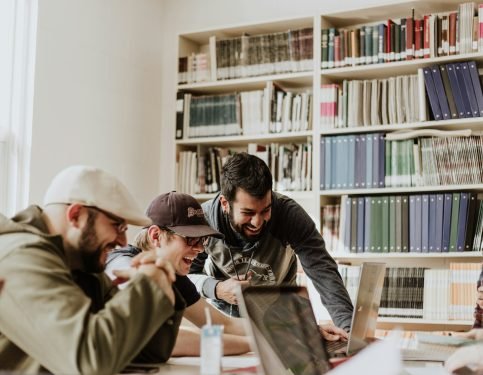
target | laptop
[
  {"x": 366, "y": 309},
  {"x": 284, "y": 331},
  {"x": 283, "y": 326}
]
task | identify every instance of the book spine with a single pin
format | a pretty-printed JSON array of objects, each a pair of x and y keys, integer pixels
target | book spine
[{"x": 431, "y": 91}]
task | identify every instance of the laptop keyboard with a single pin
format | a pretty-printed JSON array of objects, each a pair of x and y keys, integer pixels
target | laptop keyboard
[{"x": 333, "y": 346}]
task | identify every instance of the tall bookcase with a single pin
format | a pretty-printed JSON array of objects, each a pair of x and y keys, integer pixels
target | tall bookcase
[{"x": 311, "y": 80}]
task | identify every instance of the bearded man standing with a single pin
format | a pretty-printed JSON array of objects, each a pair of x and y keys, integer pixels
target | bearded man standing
[{"x": 264, "y": 232}]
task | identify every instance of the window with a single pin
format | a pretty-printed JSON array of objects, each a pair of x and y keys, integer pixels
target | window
[{"x": 18, "y": 26}]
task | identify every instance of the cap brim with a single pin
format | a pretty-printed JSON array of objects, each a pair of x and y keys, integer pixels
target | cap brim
[
  {"x": 137, "y": 219},
  {"x": 196, "y": 231}
]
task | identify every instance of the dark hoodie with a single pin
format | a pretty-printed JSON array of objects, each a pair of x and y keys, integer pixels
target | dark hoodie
[{"x": 272, "y": 257}]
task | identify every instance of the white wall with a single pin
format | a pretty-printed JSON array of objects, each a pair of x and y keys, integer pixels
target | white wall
[
  {"x": 182, "y": 16},
  {"x": 105, "y": 81},
  {"x": 98, "y": 91}
]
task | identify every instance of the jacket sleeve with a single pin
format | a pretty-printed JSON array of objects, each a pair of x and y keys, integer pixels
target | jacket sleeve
[
  {"x": 302, "y": 235},
  {"x": 205, "y": 285},
  {"x": 48, "y": 316},
  {"x": 161, "y": 344}
]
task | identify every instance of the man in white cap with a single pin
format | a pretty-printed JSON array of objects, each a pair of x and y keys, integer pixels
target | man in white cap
[{"x": 59, "y": 312}]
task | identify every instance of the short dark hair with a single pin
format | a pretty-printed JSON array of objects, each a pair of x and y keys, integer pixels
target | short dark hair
[{"x": 247, "y": 172}]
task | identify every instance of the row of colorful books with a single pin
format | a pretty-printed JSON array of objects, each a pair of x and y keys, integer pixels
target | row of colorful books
[
  {"x": 376, "y": 161},
  {"x": 417, "y": 292},
  {"x": 431, "y": 35},
  {"x": 452, "y": 90},
  {"x": 437, "y": 222},
  {"x": 271, "y": 110}
]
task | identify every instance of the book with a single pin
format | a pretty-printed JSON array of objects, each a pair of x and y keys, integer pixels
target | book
[
  {"x": 447, "y": 212},
  {"x": 425, "y": 220},
  {"x": 456, "y": 91},
  {"x": 476, "y": 82},
  {"x": 468, "y": 82},
  {"x": 449, "y": 93},
  {"x": 462, "y": 221},
  {"x": 464, "y": 91},
  {"x": 179, "y": 115},
  {"x": 473, "y": 204},
  {"x": 440, "y": 93},
  {"x": 432, "y": 95}
]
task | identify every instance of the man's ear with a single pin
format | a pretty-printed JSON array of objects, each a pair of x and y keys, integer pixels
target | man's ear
[
  {"x": 154, "y": 233},
  {"x": 73, "y": 214},
  {"x": 224, "y": 204}
]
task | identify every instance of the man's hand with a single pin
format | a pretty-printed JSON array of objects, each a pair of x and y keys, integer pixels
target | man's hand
[
  {"x": 474, "y": 334},
  {"x": 469, "y": 356},
  {"x": 161, "y": 276},
  {"x": 160, "y": 271},
  {"x": 333, "y": 333},
  {"x": 226, "y": 290}
]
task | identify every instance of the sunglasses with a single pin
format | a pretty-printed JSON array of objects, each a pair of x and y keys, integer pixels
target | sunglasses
[{"x": 192, "y": 241}]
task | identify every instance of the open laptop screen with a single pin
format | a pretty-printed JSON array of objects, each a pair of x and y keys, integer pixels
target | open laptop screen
[{"x": 284, "y": 326}]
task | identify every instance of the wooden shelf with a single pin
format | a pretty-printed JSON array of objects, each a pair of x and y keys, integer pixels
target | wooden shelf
[{"x": 401, "y": 190}]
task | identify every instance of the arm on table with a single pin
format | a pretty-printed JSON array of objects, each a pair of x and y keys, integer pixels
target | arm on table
[{"x": 188, "y": 341}]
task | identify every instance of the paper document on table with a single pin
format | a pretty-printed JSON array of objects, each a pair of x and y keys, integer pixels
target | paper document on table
[{"x": 380, "y": 358}]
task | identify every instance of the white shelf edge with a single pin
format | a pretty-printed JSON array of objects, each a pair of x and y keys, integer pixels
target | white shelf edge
[
  {"x": 403, "y": 190},
  {"x": 414, "y": 125},
  {"x": 455, "y": 254},
  {"x": 244, "y": 138},
  {"x": 295, "y": 194},
  {"x": 246, "y": 80},
  {"x": 348, "y": 70}
]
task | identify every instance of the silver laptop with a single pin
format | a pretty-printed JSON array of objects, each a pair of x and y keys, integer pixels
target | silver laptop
[
  {"x": 364, "y": 318},
  {"x": 283, "y": 327}
]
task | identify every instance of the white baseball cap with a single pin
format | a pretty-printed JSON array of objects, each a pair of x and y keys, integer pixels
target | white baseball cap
[{"x": 92, "y": 186}]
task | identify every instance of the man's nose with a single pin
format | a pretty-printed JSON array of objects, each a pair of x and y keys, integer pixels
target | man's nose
[
  {"x": 257, "y": 220},
  {"x": 121, "y": 239}
]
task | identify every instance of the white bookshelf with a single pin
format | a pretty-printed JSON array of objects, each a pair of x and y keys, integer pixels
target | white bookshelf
[{"x": 313, "y": 200}]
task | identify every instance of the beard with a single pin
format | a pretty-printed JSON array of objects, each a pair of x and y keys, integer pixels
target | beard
[
  {"x": 90, "y": 251},
  {"x": 240, "y": 228}
]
